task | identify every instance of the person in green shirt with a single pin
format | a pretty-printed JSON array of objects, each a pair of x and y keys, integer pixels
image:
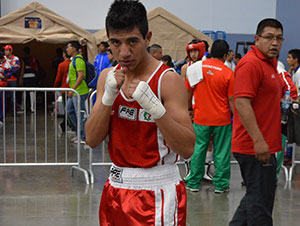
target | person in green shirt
[{"x": 76, "y": 77}]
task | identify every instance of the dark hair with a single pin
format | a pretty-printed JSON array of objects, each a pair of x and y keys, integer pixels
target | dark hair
[
  {"x": 65, "y": 52},
  {"x": 27, "y": 50},
  {"x": 194, "y": 41},
  {"x": 295, "y": 54},
  {"x": 75, "y": 44},
  {"x": 268, "y": 22},
  {"x": 126, "y": 15},
  {"x": 219, "y": 49},
  {"x": 229, "y": 51},
  {"x": 109, "y": 50},
  {"x": 206, "y": 45},
  {"x": 154, "y": 48},
  {"x": 168, "y": 58},
  {"x": 238, "y": 55},
  {"x": 106, "y": 45},
  {"x": 2, "y": 55}
]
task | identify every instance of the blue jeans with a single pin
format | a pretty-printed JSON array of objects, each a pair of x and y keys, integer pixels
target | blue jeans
[
  {"x": 72, "y": 112},
  {"x": 257, "y": 205}
]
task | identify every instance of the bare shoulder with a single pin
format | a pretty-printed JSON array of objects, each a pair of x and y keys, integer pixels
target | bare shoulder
[{"x": 172, "y": 86}]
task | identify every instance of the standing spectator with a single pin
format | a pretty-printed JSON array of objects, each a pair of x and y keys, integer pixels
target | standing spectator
[
  {"x": 5, "y": 73},
  {"x": 101, "y": 61},
  {"x": 77, "y": 76},
  {"x": 289, "y": 86},
  {"x": 112, "y": 61},
  {"x": 167, "y": 60},
  {"x": 195, "y": 50},
  {"x": 293, "y": 61},
  {"x": 148, "y": 126},
  {"x": 28, "y": 75},
  {"x": 237, "y": 58},
  {"x": 156, "y": 51},
  {"x": 256, "y": 136},
  {"x": 14, "y": 63},
  {"x": 229, "y": 61},
  {"x": 61, "y": 79},
  {"x": 213, "y": 99}
]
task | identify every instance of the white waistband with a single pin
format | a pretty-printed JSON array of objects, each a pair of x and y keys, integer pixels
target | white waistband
[
  {"x": 28, "y": 75},
  {"x": 144, "y": 178}
]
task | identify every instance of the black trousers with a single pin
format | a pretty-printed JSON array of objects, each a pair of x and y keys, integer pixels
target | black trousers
[{"x": 256, "y": 206}]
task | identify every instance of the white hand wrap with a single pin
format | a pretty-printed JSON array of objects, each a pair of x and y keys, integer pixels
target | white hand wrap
[
  {"x": 111, "y": 91},
  {"x": 147, "y": 99}
]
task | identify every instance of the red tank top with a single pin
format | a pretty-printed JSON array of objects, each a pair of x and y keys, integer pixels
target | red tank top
[{"x": 134, "y": 138}]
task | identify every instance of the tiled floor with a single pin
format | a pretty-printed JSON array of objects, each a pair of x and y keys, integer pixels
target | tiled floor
[{"x": 49, "y": 195}]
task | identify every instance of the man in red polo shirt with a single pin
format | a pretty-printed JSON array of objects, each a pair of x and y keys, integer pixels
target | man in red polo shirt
[{"x": 256, "y": 125}]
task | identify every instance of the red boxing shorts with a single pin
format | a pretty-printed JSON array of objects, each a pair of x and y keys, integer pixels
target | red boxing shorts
[{"x": 143, "y": 196}]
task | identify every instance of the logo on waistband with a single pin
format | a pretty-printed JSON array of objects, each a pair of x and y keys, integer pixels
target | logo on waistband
[{"x": 116, "y": 174}]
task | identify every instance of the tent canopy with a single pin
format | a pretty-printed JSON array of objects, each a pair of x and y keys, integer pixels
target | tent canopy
[
  {"x": 169, "y": 31},
  {"x": 35, "y": 22}
]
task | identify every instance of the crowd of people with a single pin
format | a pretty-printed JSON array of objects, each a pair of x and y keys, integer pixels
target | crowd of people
[{"x": 152, "y": 116}]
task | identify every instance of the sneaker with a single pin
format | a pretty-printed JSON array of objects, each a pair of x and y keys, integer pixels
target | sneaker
[
  {"x": 192, "y": 189},
  {"x": 74, "y": 139},
  {"x": 207, "y": 175},
  {"x": 81, "y": 141},
  {"x": 222, "y": 191},
  {"x": 187, "y": 164}
]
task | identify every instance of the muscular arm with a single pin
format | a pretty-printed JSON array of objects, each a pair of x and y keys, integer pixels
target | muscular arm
[
  {"x": 176, "y": 126},
  {"x": 96, "y": 127},
  {"x": 247, "y": 116}
]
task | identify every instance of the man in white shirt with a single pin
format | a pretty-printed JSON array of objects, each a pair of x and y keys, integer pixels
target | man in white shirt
[
  {"x": 229, "y": 61},
  {"x": 293, "y": 61}
]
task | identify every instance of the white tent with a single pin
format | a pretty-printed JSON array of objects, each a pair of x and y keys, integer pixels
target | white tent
[{"x": 43, "y": 31}]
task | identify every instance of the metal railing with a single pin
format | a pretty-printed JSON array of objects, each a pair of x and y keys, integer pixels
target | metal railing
[
  {"x": 294, "y": 162},
  {"x": 14, "y": 155},
  {"x": 102, "y": 145}
]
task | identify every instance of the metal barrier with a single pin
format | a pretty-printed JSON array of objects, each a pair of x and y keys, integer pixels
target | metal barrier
[
  {"x": 25, "y": 157},
  {"x": 294, "y": 162},
  {"x": 102, "y": 146}
]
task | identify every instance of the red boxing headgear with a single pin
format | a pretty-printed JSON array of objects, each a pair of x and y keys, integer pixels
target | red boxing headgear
[{"x": 196, "y": 46}]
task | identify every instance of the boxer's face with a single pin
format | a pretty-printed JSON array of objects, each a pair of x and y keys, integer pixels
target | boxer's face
[
  {"x": 194, "y": 54},
  {"x": 129, "y": 48}
]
